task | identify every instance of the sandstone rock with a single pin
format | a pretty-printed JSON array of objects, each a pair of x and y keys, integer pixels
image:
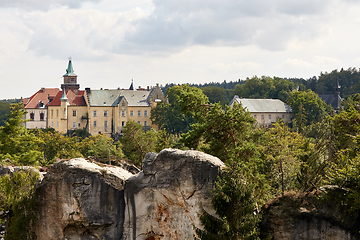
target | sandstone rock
[
  {"x": 165, "y": 199},
  {"x": 78, "y": 199},
  {"x": 302, "y": 217}
]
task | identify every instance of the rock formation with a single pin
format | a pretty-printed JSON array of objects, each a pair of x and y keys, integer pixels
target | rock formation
[
  {"x": 165, "y": 199},
  {"x": 303, "y": 217},
  {"x": 78, "y": 199}
]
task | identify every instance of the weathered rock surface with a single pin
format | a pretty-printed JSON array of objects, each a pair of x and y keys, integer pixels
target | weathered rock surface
[
  {"x": 302, "y": 217},
  {"x": 78, "y": 199},
  {"x": 164, "y": 200}
]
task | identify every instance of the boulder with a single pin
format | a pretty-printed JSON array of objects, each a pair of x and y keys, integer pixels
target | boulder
[
  {"x": 78, "y": 199},
  {"x": 165, "y": 199}
]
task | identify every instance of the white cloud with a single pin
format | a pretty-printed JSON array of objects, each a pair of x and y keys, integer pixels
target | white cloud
[{"x": 42, "y": 4}]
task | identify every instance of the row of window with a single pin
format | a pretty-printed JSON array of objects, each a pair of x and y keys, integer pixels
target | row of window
[
  {"x": 32, "y": 116},
  {"x": 262, "y": 117}
]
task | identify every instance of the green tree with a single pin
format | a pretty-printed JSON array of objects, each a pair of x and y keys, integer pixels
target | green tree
[
  {"x": 235, "y": 204},
  {"x": 4, "y": 112},
  {"x": 99, "y": 146},
  {"x": 309, "y": 104},
  {"x": 16, "y": 196},
  {"x": 16, "y": 143},
  {"x": 55, "y": 145},
  {"x": 215, "y": 94},
  {"x": 168, "y": 116},
  {"x": 283, "y": 150},
  {"x": 136, "y": 143}
]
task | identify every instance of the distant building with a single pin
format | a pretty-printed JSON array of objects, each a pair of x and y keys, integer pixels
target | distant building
[
  {"x": 36, "y": 107},
  {"x": 265, "y": 111},
  {"x": 97, "y": 111},
  {"x": 334, "y": 100}
]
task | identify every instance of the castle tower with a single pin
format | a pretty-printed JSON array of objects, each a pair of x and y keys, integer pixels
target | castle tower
[{"x": 70, "y": 79}]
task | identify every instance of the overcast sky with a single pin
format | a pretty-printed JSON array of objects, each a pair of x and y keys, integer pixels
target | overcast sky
[{"x": 171, "y": 41}]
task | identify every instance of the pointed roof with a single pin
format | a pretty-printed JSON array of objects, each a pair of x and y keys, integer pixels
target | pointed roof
[
  {"x": 132, "y": 85},
  {"x": 63, "y": 97},
  {"x": 70, "y": 69}
]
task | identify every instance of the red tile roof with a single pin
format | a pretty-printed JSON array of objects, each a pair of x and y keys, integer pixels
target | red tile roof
[
  {"x": 41, "y": 96},
  {"x": 74, "y": 99}
]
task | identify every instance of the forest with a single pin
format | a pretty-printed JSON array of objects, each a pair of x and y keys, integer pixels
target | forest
[{"x": 319, "y": 148}]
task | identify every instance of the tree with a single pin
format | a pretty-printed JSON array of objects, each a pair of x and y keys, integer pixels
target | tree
[
  {"x": 99, "y": 146},
  {"x": 235, "y": 205},
  {"x": 136, "y": 143},
  {"x": 16, "y": 143},
  {"x": 309, "y": 104},
  {"x": 283, "y": 150},
  {"x": 55, "y": 145},
  {"x": 16, "y": 196},
  {"x": 215, "y": 94},
  {"x": 168, "y": 116},
  {"x": 4, "y": 112}
]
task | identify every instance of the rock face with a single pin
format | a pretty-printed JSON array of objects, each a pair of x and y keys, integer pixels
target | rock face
[
  {"x": 302, "y": 217},
  {"x": 78, "y": 199},
  {"x": 164, "y": 200}
]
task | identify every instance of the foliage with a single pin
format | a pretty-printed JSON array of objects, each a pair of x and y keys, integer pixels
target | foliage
[
  {"x": 99, "y": 146},
  {"x": 4, "y": 112},
  {"x": 55, "y": 145},
  {"x": 283, "y": 150},
  {"x": 16, "y": 143},
  {"x": 235, "y": 205},
  {"x": 168, "y": 116},
  {"x": 16, "y": 196},
  {"x": 265, "y": 87},
  {"x": 307, "y": 105},
  {"x": 217, "y": 94},
  {"x": 136, "y": 143}
]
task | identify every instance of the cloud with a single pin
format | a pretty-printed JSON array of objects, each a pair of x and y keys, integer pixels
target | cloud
[
  {"x": 171, "y": 26},
  {"x": 42, "y": 4}
]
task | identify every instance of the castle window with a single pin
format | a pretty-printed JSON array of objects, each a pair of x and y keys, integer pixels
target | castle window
[
  {"x": 262, "y": 117},
  {"x": 145, "y": 123},
  {"x": 94, "y": 123},
  {"x": 32, "y": 116},
  {"x": 95, "y": 113},
  {"x": 74, "y": 113},
  {"x": 41, "y": 116},
  {"x": 255, "y": 116},
  {"x": 123, "y": 123},
  {"x": 139, "y": 122},
  {"x": 123, "y": 113},
  {"x": 269, "y": 117},
  {"x": 105, "y": 113},
  {"x": 105, "y": 123},
  {"x": 283, "y": 116},
  {"x": 52, "y": 124},
  {"x": 57, "y": 124},
  {"x": 139, "y": 113},
  {"x": 145, "y": 113},
  {"x": 131, "y": 113},
  {"x": 74, "y": 124}
]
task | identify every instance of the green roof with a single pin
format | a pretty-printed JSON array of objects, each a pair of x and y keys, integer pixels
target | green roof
[{"x": 70, "y": 70}]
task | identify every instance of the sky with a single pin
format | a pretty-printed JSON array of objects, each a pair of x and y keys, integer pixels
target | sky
[{"x": 113, "y": 42}]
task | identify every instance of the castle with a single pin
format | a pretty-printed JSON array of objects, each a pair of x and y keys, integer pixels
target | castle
[{"x": 97, "y": 111}]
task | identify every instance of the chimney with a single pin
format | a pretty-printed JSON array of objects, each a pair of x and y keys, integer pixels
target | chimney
[
  {"x": 148, "y": 88},
  {"x": 43, "y": 89},
  {"x": 87, "y": 90}
]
